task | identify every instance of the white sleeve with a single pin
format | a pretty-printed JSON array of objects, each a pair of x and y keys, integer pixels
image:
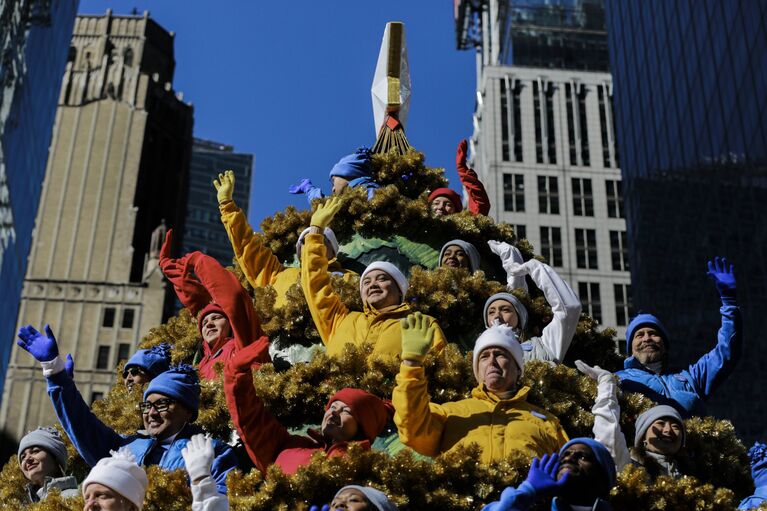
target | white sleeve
[
  {"x": 205, "y": 496},
  {"x": 607, "y": 427},
  {"x": 565, "y": 307}
]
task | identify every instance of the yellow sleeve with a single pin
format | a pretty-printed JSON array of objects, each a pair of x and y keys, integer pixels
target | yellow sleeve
[
  {"x": 324, "y": 304},
  {"x": 258, "y": 263},
  {"x": 420, "y": 423},
  {"x": 439, "y": 342}
]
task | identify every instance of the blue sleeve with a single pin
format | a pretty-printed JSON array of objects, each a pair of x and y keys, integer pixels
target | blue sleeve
[
  {"x": 716, "y": 365},
  {"x": 514, "y": 499},
  {"x": 224, "y": 462},
  {"x": 92, "y": 438},
  {"x": 315, "y": 192}
]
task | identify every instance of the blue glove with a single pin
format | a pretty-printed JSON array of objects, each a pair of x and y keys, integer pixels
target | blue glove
[
  {"x": 326, "y": 507},
  {"x": 42, "y": 347},
  {"x": 543, "y": 476},
  {"x": 723, "y": 277},
  {"x": 69, "y": 366}
]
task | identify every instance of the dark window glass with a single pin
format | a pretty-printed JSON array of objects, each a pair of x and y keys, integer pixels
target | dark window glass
[
  {"x": 537, "y": 114},
  {"x": 504, "y": 121},
  {"x": 583, "y": 123},
  {"x": 123, "y": 352},
  {"x": 513, "y": 192},
  {"x": 619, "y": 249},
  {"x": 95, "y": 396},
  {"x": 128, "y": 315},
  {"x": 614, "y": 199},
  {"x": 108, "y": 319},
  {"x": 102, "y": 359},
  {"x": 551, "y": 143},
  {"x": 570, "y": 124},
  {"x": 551, "y": 245},
  {"x": 623, "y": 306},
  {"x": 521, "y": 231},
  {"x": 517, "y": 110},
  {"x": 590, "y": 299},
  {"x": 583, "y": 197},
  {"x": 586, "y": 248},
  {"x": 603, "y": 126}
]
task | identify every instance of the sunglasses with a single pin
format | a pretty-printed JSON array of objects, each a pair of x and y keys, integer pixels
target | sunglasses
[
  {"x": 161, "y": 405},
  {"x": 133, "y": 371}
]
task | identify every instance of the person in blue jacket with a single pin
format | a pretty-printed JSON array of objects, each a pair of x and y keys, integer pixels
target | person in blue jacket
[
  {"x": 579, "y": 477},
  {"x": 351, "y": 170},
  {"x": 170, "y": 406},
  {"x": 758, "y": 455},
  {"x": 646, "y": 371}
]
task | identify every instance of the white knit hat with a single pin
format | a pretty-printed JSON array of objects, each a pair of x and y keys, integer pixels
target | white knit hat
[
  {"x": 120, "y": 473},
  {"x": 330, "y": 237},
  {"x": 391, "y": 270},
  {"x": 500, "y": 336}
]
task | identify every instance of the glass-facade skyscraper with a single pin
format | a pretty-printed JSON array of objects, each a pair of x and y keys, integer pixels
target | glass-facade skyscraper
[
  {"x": 34, "y": 42},
  {"x": 690, "y": 90}
]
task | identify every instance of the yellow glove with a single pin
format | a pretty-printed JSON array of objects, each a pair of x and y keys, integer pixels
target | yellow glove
[
  {"x": 417, "y": 336},
  {"x": 224, "y": 186},
  {"x": 325, "y": 212}
]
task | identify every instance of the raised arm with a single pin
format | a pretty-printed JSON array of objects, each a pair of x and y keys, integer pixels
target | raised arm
[
  {"x": 189, "y": 290},
  {"x": 479, "y": 202},
  {"x": 716, "y": 365},
  {"x": 510, "y": 257}
]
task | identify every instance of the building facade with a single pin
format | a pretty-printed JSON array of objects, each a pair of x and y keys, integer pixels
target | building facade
[
  {"x": 118, "y": 168},
  {"x": 34, "y": 42},
  {"x": 690, "y": 84},
  {"x": 544, "y": 147},
  {"x": 204, "y": 231}
]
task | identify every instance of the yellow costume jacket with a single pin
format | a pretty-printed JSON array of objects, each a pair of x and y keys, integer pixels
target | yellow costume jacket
[
  {"x": 499, "y": 426},
  {"x": 338, "y": 325}
]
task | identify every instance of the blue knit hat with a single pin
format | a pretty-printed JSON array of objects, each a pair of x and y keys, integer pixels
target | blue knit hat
[
  {"x": 154, "y": 360},
  {"x": 758, "y": 456},
  {"x": 181, "y": 383},
  {"x": 602, "y": 455},
  {"x": 353, "y": 166},
  {"x": 645, "y": 320}
]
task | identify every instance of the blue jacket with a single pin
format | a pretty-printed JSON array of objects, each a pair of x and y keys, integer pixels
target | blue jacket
[
  {"x": 523, "y": 497},
  {"x": 688, "y": 389},
  {"x": 93, "y": 439},
  {"x": 752, "y": 502}
]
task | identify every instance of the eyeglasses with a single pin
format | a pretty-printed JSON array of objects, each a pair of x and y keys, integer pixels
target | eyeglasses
[
  {"x": 133, "y": 371},
  {"x": 161, "y": 405}
]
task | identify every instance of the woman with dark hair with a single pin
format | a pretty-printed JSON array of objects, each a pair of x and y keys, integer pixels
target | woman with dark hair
[{"x": 43, "y": 459}]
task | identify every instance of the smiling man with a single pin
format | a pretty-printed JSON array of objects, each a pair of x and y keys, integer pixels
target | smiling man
[
  {"x": 646, "y": 370},
  {"x": 171, "y": 402},
  {"x": 497, "y": 416}
]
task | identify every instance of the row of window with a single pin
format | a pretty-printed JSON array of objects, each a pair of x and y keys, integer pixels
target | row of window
[
  {"x": 590, "y": 297},
  {"x": 548, "y": 195},
  {"x": 585, "y": 247},
  {"x": 110, "y": 314}
]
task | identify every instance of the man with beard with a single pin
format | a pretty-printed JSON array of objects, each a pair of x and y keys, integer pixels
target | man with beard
[
  {"x": 646, "y": 370},
  {"x": 579, "y": 478}
]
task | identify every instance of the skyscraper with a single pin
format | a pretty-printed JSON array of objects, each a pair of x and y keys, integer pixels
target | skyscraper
[
  {"x": 204, "y": 230},
  {"x": 118, "y": 167},
  {"x": 691, "y": 112},
  {"x": 543, "y": 141},
  {"x": 34, "y": 43}
]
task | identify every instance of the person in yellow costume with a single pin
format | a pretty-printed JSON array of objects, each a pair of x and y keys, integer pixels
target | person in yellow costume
[
  {"x": 382, "y": 288},
  {"x": 257, "y": 262},
  {"x": 496, "y": 416}
]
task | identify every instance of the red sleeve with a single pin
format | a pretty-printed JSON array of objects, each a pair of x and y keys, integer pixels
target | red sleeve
[
  {"x": 189, "y": 290},
  {"x": 479, "y": 202},
  {"x": 226, "y": 291},
  {"x": 264, "y": 437}
]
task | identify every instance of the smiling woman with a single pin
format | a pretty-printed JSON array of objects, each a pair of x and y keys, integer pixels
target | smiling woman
[{"x": 42, "y": 457}]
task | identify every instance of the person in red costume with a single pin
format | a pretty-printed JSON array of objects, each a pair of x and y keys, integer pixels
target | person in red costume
[
  {"x": 351, "y": 416},
  {"x": 444, "y": 201},
  {"x": 225, "y": 315}
]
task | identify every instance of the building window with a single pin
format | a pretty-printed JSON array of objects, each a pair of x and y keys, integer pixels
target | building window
[
  {"x": 586, "y": 248},
  {"x": 517, "y": 111},
  {"x": 551, "y": 143},
  {"x": 123, "y": 352},
  {"x": 548, "y": 195},
  {"x": 623, "y": 307},
  {"x": 128, "y": 57},
  {"x": 612, "y": 130},
  {"x": 570, "y": 124},
  {"x": 504, "y": 121},
  {"x": 551, "y": 245},
  {"x": 583, "y": 197},
  {"x": 620, "y": 251},
  {"x": 520, "y": 230},
  {"x": 614, "y": 199},
  {"x": 538, "y": 130},
  {"x": 108, "y": 320},
  {"x": 583, "y": 124},
  {"x": 603, "y": 125},
  {"x": 513, "y": 192},
  {"x": 588, "y": 292},
  {"x": 127, "y": 321},
  {"x": 102, "y": 359},
  {"x": 95, "y": 396}
]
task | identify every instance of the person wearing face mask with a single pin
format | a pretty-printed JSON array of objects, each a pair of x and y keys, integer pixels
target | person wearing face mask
[
  {"x": 170, "y": 407},
  {"x": 444, "y": 201},
  {"x": 758, "y": 456},
  {"x": 459, "y": 254},
  {"x": 382, "y": 287},
  {"x": 351, "y": 416},
  {"x": 646, "y": 370},
  {"x": 146, "y": 364},
  {"x": 116, "y": 483},
  {"x": 42, "y": 457},
  {"x": 505, "y": 308},
  {"x": 497, "y": 416},
  {"x": 579, "y": 478},
  {"x": 225, "y": 315}
]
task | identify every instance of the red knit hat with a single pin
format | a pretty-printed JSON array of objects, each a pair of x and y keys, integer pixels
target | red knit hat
[
  {"x": 450, "y": 194},
  {"x": 209, "y": 309},
  {"x": 371, "y": 412}
]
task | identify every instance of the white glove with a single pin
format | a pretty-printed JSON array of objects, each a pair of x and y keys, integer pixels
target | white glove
[
  {"x": 198, "y": 455},
  {"x": 595, "y": 373},
  {"x": 512, "y": 262}
]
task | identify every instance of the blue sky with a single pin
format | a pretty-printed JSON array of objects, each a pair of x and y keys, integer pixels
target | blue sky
[{"x": 290, "y": 81}]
